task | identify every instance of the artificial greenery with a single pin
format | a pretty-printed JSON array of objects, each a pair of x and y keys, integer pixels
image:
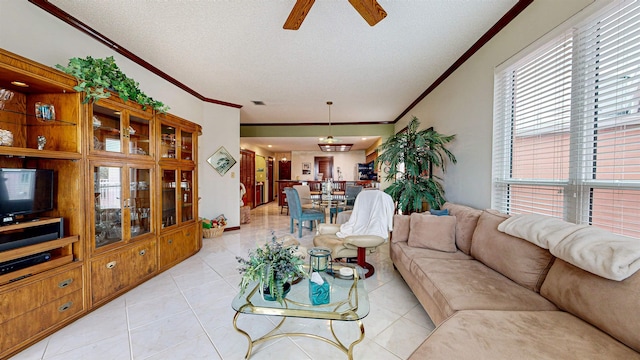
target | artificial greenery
[
  {"x": 272, "y": 265},
  {"x": 410, "y": 158},
  {"x": 96, "y": 75}
]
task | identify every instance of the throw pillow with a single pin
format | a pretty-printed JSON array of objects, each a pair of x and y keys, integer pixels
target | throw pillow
[
  {"x": 400, "y": 231},
  {"x": 441, "y": 212},
  {"x": 515, "y": 258},
  {"x": 433, "y": 232},
  {"x": 466, "y": 221}
]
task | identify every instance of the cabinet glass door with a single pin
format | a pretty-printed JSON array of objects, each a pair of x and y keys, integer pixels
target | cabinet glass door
[
  {"x": 186, "y": 151},
  {"x": 186, "y": 193},
  {"x": 108, "y": 193},
  {"x": 138, "y": 134},
  {"x": 106, "y": 129},
  {"x": 167, "y": 142},
  {"x": 139, "y": 201},
  {"x": 169, "y": 197}
]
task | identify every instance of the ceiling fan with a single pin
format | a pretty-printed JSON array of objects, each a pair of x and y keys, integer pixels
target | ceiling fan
[{"x": 370, "y": 10}]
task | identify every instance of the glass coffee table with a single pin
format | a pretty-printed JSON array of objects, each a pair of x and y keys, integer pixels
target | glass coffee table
[{"x": 349, "y": 301}]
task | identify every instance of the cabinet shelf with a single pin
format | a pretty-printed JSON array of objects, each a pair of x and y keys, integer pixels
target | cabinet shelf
[
  {"x": 37, "y": 248},
  {"x": 35, "y": 153},
  {"x": 42, "y": 122},
  {"x": 36, "y": 269},
  {"x": 107, "y": 130}
]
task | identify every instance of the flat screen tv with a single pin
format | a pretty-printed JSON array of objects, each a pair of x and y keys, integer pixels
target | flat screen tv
[{"x": 24, "y": 192}]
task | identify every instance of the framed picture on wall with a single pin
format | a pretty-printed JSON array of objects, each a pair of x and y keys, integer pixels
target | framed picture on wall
[
  {"x": 306, "y": 168},
  {"x": 221, "y": 161}
]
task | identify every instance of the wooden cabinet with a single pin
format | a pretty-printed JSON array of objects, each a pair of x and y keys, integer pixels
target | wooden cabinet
[
  {"x": 178, "y": 190},
  {"x": 121, "y": 167},
  {"x": 122, "y": 203},
  {"x": 119, "y": 270},
  {"x": 112, "y": 161},
  {"x": 41, "y": 128},
  {"x": 175, "y": 246},
  {"x": 28, "y": 310},
  {"x": 121, "y": 129}
]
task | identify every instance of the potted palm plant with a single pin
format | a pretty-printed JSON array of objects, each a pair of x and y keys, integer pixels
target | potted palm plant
[
  {"x": 409, "y": 158},
  {"x": 274, "y": 266}
]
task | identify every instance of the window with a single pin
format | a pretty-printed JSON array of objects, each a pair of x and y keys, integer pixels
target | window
[{"x": 567, "y": 126}]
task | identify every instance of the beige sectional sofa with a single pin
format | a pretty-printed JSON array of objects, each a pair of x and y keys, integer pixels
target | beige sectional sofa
[{"x": 497, "y": 296}]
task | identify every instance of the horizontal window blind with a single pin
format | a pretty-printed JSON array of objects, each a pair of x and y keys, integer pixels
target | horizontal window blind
[
  {"x": 567, "y": 126},
  {"x": 532, "y": 117}
]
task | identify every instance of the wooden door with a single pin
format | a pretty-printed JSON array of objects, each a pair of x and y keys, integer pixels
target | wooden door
[
  {"x": 284, "y": 170},
  {"x": 324, "y": 165},
  {"x": 270, "y": 180},
  {"x": 248, "y": 175}
]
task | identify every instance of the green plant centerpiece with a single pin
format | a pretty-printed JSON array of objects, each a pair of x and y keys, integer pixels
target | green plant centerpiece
[
  {"x": 409, "y": 158},
  {"x": 96, "y": 75},
  {"x": 273, "y": 265}
]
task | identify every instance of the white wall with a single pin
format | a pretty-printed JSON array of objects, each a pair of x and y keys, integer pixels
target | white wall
[
  {"x": 463, "y": 103},
  {"x": 31, "y": 32},
  {"x": 219, "y": 194},
  {"x": 348, "y": 163}
]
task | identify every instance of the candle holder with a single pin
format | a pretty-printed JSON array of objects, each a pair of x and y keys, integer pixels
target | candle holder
[{"x": 320, "y": 259}]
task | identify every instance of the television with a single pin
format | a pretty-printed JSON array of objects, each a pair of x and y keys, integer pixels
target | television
[{"x": 24, "y": 192}]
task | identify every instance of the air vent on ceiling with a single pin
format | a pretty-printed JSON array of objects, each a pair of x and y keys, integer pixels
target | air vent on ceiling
[{"x": 257, "y": 102}]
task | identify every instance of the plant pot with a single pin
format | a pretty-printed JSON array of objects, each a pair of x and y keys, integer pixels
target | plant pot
[{"x": 267, "y": 295}]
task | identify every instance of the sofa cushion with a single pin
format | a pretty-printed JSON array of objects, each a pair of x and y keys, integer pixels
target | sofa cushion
[
  {"x": 613, "y": 306},
  {"x": 400, "y": 228},
  {"x": 507, "y": 335},
  {"x": 402, "y": 252},
  {"x": 433, "y": 232},
  {"x": 470, "y": 285},
  {"x": 515, "y": 258},
  {"x": 466, "y": 220}
]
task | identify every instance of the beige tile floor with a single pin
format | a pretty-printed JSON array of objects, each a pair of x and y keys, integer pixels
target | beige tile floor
[{"x": 185, "y": 312}]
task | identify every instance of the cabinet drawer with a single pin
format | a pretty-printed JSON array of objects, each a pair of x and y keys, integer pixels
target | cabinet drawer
[
  {"x": 177, "y": 246},
  {"x": 19, "y": 301},
  {"x": 62, "y": 284},
  {"x": 26, "y": 298},
  {"x": 120, "y": 270},
  {"x": 40, "y": 319}
]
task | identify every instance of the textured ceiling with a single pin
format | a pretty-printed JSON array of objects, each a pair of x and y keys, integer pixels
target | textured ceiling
[{"x": 237, "y": 52}]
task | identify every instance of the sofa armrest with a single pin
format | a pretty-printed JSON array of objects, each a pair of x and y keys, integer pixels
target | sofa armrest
[{"x": 328, "y": 229}]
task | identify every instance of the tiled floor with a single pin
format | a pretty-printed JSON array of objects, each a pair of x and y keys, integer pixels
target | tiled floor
[{"x": 185, "y": 312}]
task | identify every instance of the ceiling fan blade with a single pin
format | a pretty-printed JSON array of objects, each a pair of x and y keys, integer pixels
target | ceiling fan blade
[
  {"x": 370, "y": 10},
  {"x": 297, "y": 15}
]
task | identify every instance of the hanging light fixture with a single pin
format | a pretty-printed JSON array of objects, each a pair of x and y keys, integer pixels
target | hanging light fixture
[
  {"x": 329, "y": 143},
  {"x": 329, "y": 139}
]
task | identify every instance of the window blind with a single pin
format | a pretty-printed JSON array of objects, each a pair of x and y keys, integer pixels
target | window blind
[{"x": 567, "y": 126}]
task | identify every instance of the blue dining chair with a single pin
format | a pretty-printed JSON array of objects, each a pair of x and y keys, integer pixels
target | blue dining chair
[
  {"x": 296, "y": 212},
  {"x": 350, "y": 194}
]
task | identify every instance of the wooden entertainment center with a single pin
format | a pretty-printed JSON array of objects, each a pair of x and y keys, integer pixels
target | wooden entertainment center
[{"x": 125, "y": 188}]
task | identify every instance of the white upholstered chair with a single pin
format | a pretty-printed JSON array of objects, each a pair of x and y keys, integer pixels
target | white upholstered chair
[
  {"x": 367, "y": 228},
  {"x": 304, "y": 192}
]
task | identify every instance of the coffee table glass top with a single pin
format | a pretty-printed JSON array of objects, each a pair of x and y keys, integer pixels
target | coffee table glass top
[{"x": 349, "y": 300}]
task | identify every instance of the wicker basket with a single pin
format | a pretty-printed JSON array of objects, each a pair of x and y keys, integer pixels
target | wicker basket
[{"x": 213, "y": 232}]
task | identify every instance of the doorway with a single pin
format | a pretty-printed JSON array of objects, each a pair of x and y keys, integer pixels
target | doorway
[
  {"x": 248, "y": 175},
  {"x": 270, "y": 180},
  {"x": 324, "y": 166},
  {"x": 284, "y": 170}
]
